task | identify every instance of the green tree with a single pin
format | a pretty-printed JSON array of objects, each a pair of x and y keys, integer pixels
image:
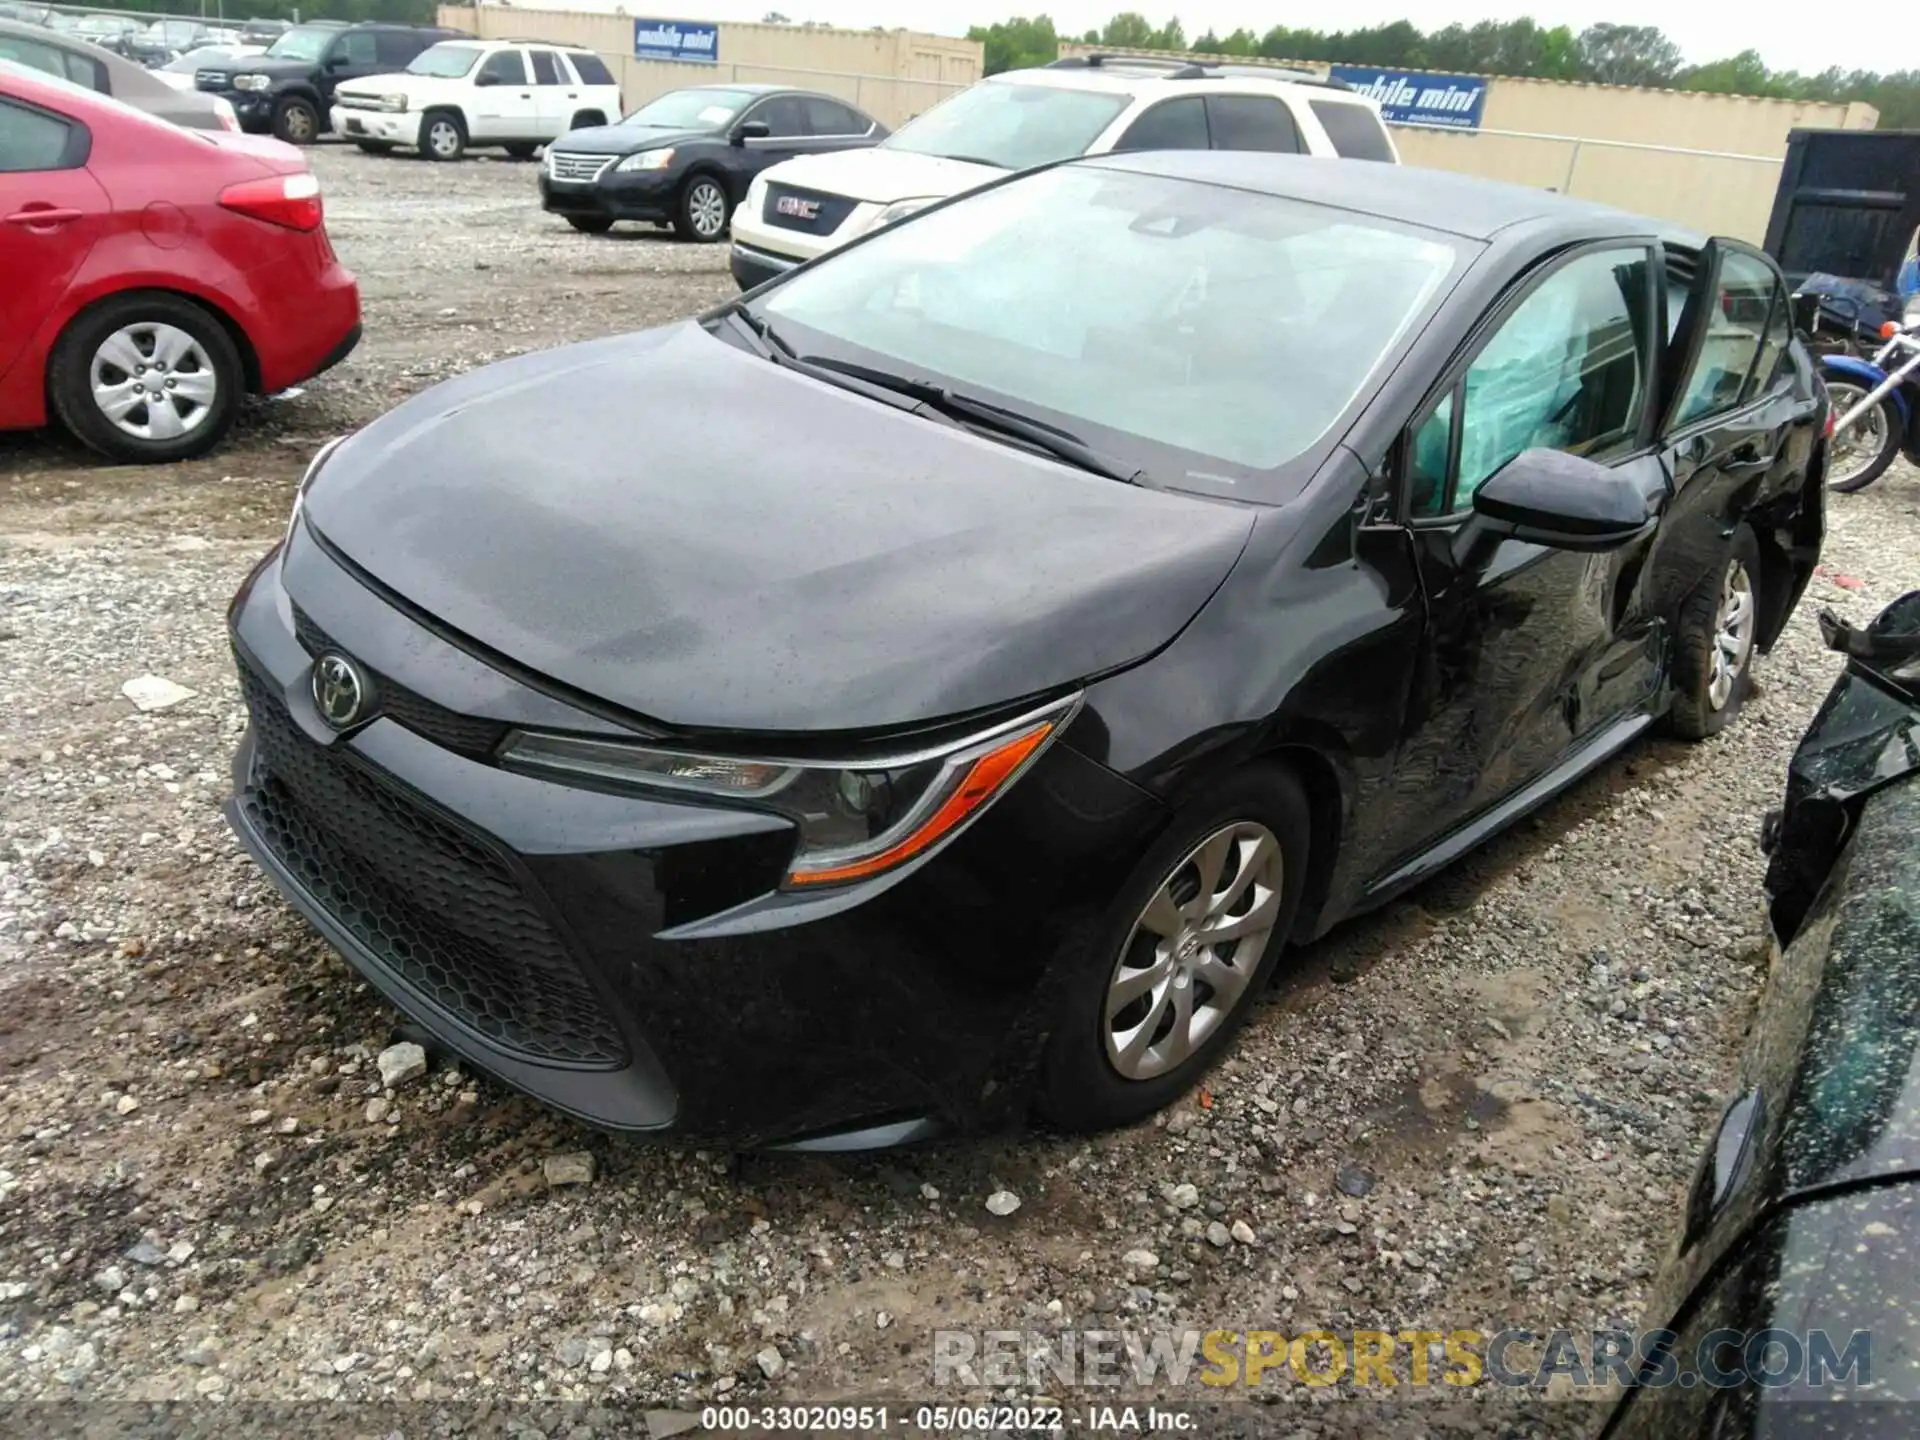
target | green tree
[
  {"x": 1129, "y": 30},
  {"x": 1742, "y": 74},
  {"x": 1628, "y": 55},
  {"x": 1017, "y": 44}
]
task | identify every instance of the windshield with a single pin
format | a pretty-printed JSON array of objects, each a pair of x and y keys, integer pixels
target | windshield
[
  {"x": 691, "y": 110},
  {"x": 301, "y": 44},
  {"x": 1010, "y": 124},
  {"x": 1202, "y": 334},
  {"x": 446, "y": 61}
]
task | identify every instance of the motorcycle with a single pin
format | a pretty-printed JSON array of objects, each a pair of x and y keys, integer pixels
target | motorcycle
[{"x": 1875, "y": 399}]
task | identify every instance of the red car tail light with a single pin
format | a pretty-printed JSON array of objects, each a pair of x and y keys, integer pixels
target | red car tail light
[{"x": 291, "y": 201}]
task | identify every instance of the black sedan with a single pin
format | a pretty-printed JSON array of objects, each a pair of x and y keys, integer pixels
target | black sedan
[
  {"x": 687, "y": 158},
  {"x": 1794, "y": 1282},
  {"x": 1035, "y": 617}
]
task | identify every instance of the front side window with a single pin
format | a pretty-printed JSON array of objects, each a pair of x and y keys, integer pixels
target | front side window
[
  {"x": 504, "y": 67},
  {"x": 1247, "y": 324},
  {"x": 51, "y": 59},
  {"x": 1170, "y": 125},
  {"x": 357, "y": 50},
  {"x": 32, "y": 140},
  {"x": 1739, "y": 323},
  {"x": 302, "y": 43},
  {"x": 785, "y": 116},
  {"x": 1565, "y": 371},
  {"x": 448, "y": 62},
  {"x": 1253, "y": 122},
  {"x": 1010, "y": 124}
]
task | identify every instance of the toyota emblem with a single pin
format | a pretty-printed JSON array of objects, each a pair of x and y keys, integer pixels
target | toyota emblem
[{"x": 338, "y": 690}]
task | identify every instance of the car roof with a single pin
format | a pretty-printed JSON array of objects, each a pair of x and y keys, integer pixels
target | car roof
[
  {"x": 1125, "y": 75},
  {"x": 1462, "y": 205}
]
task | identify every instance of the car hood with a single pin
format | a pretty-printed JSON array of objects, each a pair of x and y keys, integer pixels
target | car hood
[
  {"x": 398, "y": 82},
  {"x": 627, "y": 139},
  {"x": 881, "y": 175},
  {"x": 701, "y": 537},
  {"x": 259, "y": 65}
]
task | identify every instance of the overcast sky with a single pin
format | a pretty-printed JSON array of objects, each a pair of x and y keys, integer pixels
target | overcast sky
[{"x": 1788, "y": 36}]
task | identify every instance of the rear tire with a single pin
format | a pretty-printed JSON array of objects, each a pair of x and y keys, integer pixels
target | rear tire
[
  {"x": 101, "y": 378},
  {"x": 1126, "y": 1044},
  {"x": 296, "y": 121},
  {"x": 1713, "y": 643},
  {"x": 1856, "y": 461},
  {"x": 520, "y": 150},
  {"x": 443, "y": 136},
  {"x": 590, "y": 224}
]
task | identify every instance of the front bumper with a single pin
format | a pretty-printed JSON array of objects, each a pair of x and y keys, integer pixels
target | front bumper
[
  {"x": 383, "y": 126},
  {"x": 252, "y": 108},
  {"x": 630, "y": 960},
  {"x": 615, "y": 195},
  {"x": 753, "y": 267}
]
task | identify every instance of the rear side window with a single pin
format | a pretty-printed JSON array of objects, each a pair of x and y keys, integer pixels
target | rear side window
[
  {"x": 590, "y": 68},
  {"x": 1731, "y": 350},
  {"x": 66, "y": 64},
  {"x": 1170, "y": 125},
  {"x": 1356, "y": 132},
  {"x": 546, "y": 67},
  {"x": 784, "y": 115},
  {"x": 1252, "y": 122},
  {"x": 34, "y": 140},
  {"x": 830, "y": 117}
]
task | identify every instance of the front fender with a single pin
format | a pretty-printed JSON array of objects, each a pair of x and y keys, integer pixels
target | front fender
[{"x": 1862, "y": 372}]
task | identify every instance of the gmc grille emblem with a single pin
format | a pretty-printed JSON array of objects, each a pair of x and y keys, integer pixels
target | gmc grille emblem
[{"x": 796, "y": 207}]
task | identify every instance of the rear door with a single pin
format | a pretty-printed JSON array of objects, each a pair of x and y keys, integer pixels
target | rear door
[
  {"x": 51, "y": 214},
  {"x": 556, "y": 95}
]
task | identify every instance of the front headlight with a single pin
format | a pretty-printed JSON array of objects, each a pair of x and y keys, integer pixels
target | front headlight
[
  {"x": 251, "y": 82},
  {"x": 856, "y": 819},
  {"x": 393, "y": 102},
  {"x": 647, "y": 160},
  {"x": 320, "y": 457},
  {"x": 900, "y": 209}
]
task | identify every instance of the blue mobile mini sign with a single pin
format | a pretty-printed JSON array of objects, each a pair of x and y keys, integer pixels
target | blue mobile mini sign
[
  {"x": 682, "y": 40},
  {"x": 1409, "y": 98}
]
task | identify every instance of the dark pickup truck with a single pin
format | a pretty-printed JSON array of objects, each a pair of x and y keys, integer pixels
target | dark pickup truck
[{"x": 288, "y": 91}]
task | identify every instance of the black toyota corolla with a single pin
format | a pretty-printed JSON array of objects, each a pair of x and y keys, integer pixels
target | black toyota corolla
[{"x": 1018, "y": 627}]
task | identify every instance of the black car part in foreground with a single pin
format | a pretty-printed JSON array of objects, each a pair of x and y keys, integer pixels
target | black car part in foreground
[
  {"x": 1805, "y": 1211},
  {"x": 964, "y": 702},
  {"x": 687, "y": 157}
]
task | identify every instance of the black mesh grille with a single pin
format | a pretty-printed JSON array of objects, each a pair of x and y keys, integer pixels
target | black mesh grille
[
  {"x": 433, "y": 903},
  {"x": 468, "y": 734},
  {"x": 811, "y": 211}
]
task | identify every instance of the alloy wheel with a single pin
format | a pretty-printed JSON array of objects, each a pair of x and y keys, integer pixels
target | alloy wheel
[
  {"x": 298, "y": 122},
  {"x": 443, "y": 138},
  {"x": 153, "y": 381},
  {"x": 1193, "y": 951},
  {"x": 1732, "y": 633},
  {"x": 1852, "y": 450},
  {"x": 707, "y": 209}
]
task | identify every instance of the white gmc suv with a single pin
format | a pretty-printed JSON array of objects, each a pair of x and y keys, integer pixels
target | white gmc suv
[
  {"x": 1080, "y": 106},
  {"x": 514, "y": 93}
]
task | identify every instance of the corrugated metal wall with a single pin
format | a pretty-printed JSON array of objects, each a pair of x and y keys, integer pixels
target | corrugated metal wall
[
  {"x": 891, "y": 74},
  {"x": 1729, "y": 192}
]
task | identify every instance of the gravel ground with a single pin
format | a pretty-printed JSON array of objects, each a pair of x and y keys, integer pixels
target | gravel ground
[{"x": 1479, "y": 1107}]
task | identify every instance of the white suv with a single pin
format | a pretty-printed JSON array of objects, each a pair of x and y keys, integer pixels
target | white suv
[
  {"x": 1081, "y": 106},
  {"x": 515, "y": 93}
]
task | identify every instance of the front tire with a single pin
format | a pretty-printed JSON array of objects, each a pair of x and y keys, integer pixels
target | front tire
[
  {"x": 296, "y": 121},
  {"x": 442, "y": 136},
  {"x": 704, "y": 210},
  {"x": 1713, "y": 643},
  {"x": 590, "y": 224},
  {"x": 147, "y": 378},
  {"x": 1175, "y": 964},
  {"x": 1861, "y": 454}
]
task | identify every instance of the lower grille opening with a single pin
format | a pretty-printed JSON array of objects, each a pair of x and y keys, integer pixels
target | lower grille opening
[{"x": 433, "y": 904}]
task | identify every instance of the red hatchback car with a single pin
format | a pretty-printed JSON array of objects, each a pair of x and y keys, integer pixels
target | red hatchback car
[{"x": 151, "y": 276}]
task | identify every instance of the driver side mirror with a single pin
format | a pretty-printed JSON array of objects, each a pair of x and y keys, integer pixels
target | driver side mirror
[
  {"x": 1551, "y": 498},
  {"x": 750, "y": 130},
  {"x": 335, "y": 62}
]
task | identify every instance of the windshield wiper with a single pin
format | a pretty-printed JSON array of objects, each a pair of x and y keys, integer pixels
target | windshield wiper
[
  {"x": 978, "y": 160},
  {"x": 768, "y": 344},
  {"x": 984, "y": 415}
]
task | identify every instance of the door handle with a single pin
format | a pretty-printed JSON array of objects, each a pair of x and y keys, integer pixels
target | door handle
[
  {"x": 44, "y": 215},
  {"x": 1754, "y": 465}
]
